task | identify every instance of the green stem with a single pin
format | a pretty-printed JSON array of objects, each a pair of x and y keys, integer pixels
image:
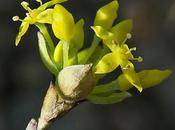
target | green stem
[{"x": 91, "y": 50}]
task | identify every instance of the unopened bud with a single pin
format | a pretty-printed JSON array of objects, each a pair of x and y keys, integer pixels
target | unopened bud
[{"x": 76, "y": 81}]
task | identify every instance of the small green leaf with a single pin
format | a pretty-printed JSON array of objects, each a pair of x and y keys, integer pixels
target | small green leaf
[
  {"x": 122, "y": 29},
  {"x": 110, "y": 99},
  {"x": 105, "y": 88},
  {"x": 45, "y": 55},
  {"x": 107, "y": 64}
]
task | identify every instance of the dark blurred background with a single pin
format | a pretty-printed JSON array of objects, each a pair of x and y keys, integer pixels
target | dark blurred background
[{"x": 24, "y": 79}]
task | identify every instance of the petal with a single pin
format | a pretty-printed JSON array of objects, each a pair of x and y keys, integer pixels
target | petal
[
  {"x": 150, "y": 78},
  {"x": 78, "y": 37},
  {"x": 130, "y": 74},
  {"x": 107, "y": 64},
  {"x": 22, "y": 30},
  {"x": 63, "y": 23},
  {"x": 102, "y": 32},
  {"x": 45, "y": 16},
  {"x": 106, "y": 15},
  {"x": 121, "y": 29},
  {"x": 123, "y": 83},
  {"x": 49, "y": 4}
]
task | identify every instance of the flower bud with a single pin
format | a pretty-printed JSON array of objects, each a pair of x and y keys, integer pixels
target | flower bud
[
  {"x": 63, "y": 23},
  {"x": 76, "y": 81}
]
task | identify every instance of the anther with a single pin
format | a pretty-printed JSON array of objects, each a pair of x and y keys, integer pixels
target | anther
[
  {"x": 25, "y": 5},
  {"x": 131, "y": 49},
  {"x": 139, "y": 59},
  {"x": 15, "y": 18},
  {"x": 128, "y": 35},
  {"x": 126, "y": 67},
  {"x": 39, "y": 2}
]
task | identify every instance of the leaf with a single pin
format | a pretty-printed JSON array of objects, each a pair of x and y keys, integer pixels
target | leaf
[
  {"x": 45, "y": 55},
  {"x": 122, "y": 29},
  {"x": 110, "y": 99},
  {"x": 105, "y": 88},
  {"x": 107, "y": 64},
  {"x": 106, "y": 15}
]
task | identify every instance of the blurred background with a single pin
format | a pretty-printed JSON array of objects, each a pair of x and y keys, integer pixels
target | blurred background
[{"x": 24, "y": 79}]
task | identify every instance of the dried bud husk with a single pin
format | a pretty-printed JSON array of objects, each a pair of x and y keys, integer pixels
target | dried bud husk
[
  {"x": 53, "y": 107},
  {"x": 76, "y": 82}
]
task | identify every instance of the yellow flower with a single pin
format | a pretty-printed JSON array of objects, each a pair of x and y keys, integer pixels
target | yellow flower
[
  {"x": 39, "y": 15},
  {"x": 121, "y": 55}
]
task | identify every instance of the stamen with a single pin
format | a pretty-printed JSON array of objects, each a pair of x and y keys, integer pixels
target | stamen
[
  {"x": 25, "y": 5},
  {"x": 130, "y": 50},
  {"x": 15, "y": 18},
  {"x": 126, "y": 67},
  {"x": 128, "y": 36},
  {"x": 40, "y": 1},
  {"x": 139, "y": 59}
]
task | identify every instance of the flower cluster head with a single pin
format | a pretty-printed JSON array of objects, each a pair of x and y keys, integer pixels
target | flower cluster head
[{"x": 109, "y": 49}]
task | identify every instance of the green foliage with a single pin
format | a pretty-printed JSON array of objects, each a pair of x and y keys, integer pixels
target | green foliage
[{"x": 108, "y": 51}]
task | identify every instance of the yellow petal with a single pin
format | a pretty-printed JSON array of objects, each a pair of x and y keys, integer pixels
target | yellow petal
[
  {"x": 130, "y": 74},
  {"x": 22, "y": 30},
  {"x": 63, "y": 23},
  {"x": 45, "y": 16},
  {"x": 107, "y": 64},
  {"x": 122, "y": 29},
  {"x": 123, "y": 83},
  {"x": 151, "y": 78},
  {"x": 102, "y": 32},
  {"x": 106, "y": 15}
]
